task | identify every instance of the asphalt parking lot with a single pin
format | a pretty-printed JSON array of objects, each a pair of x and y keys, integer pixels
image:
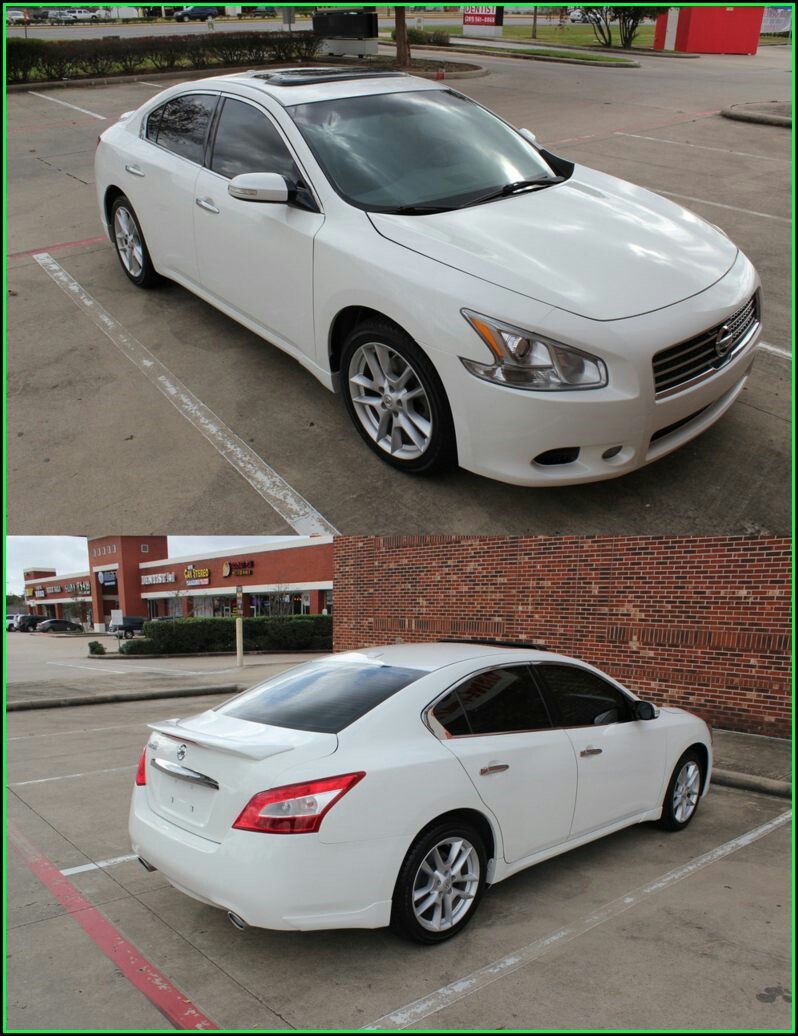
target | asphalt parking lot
[
  {"x": 86, "y": 424},
  {"x": 634, "y": 929},
  {"x": 43, "y": 665}
]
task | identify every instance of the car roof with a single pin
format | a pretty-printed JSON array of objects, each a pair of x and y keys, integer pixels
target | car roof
[
  {"x": 437, "y": 655},
  {"x": 290, "y": 86}
]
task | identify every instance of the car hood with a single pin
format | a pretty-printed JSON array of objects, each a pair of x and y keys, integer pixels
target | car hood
[{"x": 595, "y": 246}]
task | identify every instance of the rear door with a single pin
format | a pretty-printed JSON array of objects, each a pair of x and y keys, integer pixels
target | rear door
[
  {"x": 621, "y": 760},
  {"x": 497, "y": 724}
]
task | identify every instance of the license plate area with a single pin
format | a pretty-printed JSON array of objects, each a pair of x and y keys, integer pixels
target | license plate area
[{"x": 182, "y": 800}]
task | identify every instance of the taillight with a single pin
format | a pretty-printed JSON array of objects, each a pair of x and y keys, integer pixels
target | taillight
[
  {"x": 295, "y": 808},
  {"x": 141, "y": 773}
]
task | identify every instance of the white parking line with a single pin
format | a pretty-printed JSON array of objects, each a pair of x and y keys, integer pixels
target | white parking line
[
  {"x": 702, "y": 147},
  {"x": 271, "y": 487},
  {"x": 720, "y": 205},
  {"x": 66, "y": 104},
  {"x": 101, "y": 864},
  {"x": 785, "y": 354},
  {"x": 70, "y": 776},
  {"x": 66, "y": 733},
  {"x": 90, "y": 668},
  {"x": 460, "y": 988}
]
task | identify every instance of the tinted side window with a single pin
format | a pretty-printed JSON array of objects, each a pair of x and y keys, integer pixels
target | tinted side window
[
  {"x": 451, "y": 716},
  {"x": 153, "y": 122},
  {"x": 247, "y": 142},
  {"x": 500, "y": 701},
  {"x": 184, "y": 125},
  {"x": 321, "y": 696},
  {"x": 583, "y": 698}
]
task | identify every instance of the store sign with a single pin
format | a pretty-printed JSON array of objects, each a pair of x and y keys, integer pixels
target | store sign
[
  {"x": 481, "y": 15},
  {"x": 156, "y": 578},
  {"x": 196, "y": 573},
  {"x": 201, "y": 581},
  {"x": 238, "y": 568},
  {"x": 38, "y": 593},
  {"x": 78, "y": 588},
  {"x": 107, "y": 579},
  {"x": 54, "y": 590}
]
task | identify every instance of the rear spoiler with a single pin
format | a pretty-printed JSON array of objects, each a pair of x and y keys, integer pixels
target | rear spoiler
[{"x": 171, "y": 728}]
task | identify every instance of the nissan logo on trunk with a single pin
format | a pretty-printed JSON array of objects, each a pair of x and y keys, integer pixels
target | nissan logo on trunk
[{"x": 181, "y": 753}]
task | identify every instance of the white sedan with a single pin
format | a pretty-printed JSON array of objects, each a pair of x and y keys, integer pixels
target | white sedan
[
  {"x": 393, "y": 785},
  {"x": 474, "y": 298}
]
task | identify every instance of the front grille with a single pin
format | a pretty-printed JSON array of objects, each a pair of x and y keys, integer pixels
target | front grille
[
  {"x": 677, "y": 424},
  {"x": 700, "y": 356}
]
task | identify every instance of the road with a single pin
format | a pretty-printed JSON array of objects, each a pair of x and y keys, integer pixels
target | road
[{"x": 79, "y": 408}]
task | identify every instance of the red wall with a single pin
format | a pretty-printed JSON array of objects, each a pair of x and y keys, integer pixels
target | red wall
[
  {"x": 701, "y": 622},
  {"x": 714, "y": 30}
]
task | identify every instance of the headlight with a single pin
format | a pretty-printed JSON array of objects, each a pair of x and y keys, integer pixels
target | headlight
[{"x": 525, "y": 360}]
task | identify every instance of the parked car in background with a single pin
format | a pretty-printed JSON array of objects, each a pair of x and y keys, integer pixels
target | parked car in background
[
  {"x": 129, "y": 626},
  {"x": 10, "y": 622},
  {"x": 15, "y": 17},
  {"x": 258, "y": 12},
  {"x": 197, "y": 13},
  {"x": 82, "y": 14},
  {"x": 59, "y": 626},
  {"x": 577, "y": 15},
  {"x": 409, "y": 248},
  {"x": 28, "y": 623},
  {"x": 57, "y": 14},
  {"x": 392, "y": 785}
]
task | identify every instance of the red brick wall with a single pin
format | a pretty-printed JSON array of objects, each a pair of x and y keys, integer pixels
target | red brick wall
[{"x": 701, "y": 622}]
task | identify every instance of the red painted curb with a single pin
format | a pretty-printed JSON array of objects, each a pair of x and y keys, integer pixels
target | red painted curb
[
  {"x": 64, "y": 244},
  {"x": 175, "y": 1007}
]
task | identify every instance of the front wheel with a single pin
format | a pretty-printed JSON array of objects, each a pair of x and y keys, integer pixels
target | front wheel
[
  {"x": 440, "y": 883},
  {"x": 396, "y": 400},
  {"x": 684, "y": 792}
]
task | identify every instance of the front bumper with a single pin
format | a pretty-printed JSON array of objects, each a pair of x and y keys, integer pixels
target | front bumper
[
  {"x": 501, "y": 431},
  {"x": 285, "y": 882}
]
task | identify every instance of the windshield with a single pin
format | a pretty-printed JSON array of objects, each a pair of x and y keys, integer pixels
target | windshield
[
  {"x": 430, "y": 148},
  {"x": 323, "y": 696}
]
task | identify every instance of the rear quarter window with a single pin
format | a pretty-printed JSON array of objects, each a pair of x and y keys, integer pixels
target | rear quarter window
[{"x": 324, "y": 697}]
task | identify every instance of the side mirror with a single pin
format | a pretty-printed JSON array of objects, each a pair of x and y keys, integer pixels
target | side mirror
[
  {"x": 645, "y": 710},
  {"x": 528, "y": 135},
  {"x": 269, "y": 187}
]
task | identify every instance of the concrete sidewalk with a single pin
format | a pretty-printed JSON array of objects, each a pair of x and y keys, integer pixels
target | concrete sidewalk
[{"x": 752, "y": 762}]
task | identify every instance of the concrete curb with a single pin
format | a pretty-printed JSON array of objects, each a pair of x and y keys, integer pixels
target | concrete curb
[
  {"x": 27, "y": 704},
  {"x": 752, "y": 782},
  {"x": 479, "y": 52},
  {"x": 197, "y": 73},
  {"x": 546, "y": 44},
  {"x": 760, "y": 118},
  {"x": 113, "y": 656}
]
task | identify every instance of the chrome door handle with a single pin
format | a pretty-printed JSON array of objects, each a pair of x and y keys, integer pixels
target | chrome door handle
[
  {"x": 207, "y": 204},
  {"x": 134, "y": 170},
  {"x": 493, "y": 768},
  {"x": 591, "y": 751}
]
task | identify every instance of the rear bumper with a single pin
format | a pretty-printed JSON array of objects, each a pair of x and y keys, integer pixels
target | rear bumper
[{"x": 284, "y": 882}]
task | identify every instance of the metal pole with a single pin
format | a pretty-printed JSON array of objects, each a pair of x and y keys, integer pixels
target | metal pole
[{"x": 239, "y": 627}]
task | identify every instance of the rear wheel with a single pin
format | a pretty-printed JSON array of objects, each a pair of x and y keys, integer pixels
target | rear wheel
[
  {"x": 131, "y": 248},
  {"x": 684, "y": 792},
  {"x": 440, "y": 883}
]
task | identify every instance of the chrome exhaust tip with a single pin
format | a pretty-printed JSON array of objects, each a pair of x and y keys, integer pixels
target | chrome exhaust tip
[
  {"x": 147, "y": 866},
  {"x": 236, "y": 921}
]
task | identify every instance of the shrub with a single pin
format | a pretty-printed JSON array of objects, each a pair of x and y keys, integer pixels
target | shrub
[
  {"x": 270, "y": 633},
  {"x": 138, "y": 646},
  {"x": 97, "y": 58},
  {"x": 60, "y": 58},
  {"x": 22, "y": 58},
  {"x": 96, "y": 648},
  {"x": 433, "y": 37},
  {"x": 165, "y": 52}
]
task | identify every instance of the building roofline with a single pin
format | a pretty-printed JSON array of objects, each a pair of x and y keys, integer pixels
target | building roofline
[{"x": 236, "y": 552}]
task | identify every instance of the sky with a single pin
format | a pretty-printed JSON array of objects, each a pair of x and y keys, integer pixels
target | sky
[{"x": 68, "y": 554}]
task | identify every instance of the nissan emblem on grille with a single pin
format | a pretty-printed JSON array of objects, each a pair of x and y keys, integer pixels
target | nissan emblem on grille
[{"x": 724, "y": 339}]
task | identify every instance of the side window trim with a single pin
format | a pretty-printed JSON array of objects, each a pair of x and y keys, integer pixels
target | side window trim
[
  {"x": 551, "y": 701},
  {"x": 211, "y": 143},
  {"x": 434, "y": 724},
  {"x": 189, "y": 93}
]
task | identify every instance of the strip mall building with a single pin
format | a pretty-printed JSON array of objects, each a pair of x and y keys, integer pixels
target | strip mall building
[{"x": 135, "y": 576}]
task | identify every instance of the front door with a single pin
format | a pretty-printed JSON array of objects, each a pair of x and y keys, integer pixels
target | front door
[
  {"x": 524, "y": 770},
  {"x": 255, "y": 257}
]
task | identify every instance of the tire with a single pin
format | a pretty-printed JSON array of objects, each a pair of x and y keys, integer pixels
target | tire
[
  {"x": 129, "y": 634},
  {"x": 411, "y": 427},
  {"x": 689, "y": 769},
  {"x": 136, "y": 264},
  {"x": 419, "y": 925}
]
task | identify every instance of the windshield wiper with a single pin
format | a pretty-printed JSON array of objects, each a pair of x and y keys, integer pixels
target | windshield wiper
[
  {"x": 420, "y": 210},
  {"x": 515, "y": 188}
]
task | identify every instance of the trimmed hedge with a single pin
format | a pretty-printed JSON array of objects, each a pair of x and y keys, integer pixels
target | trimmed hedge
[
  {"x": 195, "y": 636},
  {"x": 432, "y": 37},
  {"x": 68, "y": 59},
  {"x": 96, "y": 648}
]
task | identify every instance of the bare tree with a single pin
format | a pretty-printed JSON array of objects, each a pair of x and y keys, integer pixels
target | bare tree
[
  {"x": 629, "y": 20},
  {"x": 402, "y": 42}
]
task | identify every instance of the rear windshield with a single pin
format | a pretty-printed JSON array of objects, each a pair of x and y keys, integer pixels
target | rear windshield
[{"x": 324, "y": 697}]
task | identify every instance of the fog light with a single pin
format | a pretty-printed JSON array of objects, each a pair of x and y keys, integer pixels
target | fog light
[
  {"x": 613, "y": 451},
  {"x": 563, "y": 455}
]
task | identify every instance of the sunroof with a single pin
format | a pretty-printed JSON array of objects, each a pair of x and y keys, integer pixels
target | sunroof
[{"x": 306, "y": 76}]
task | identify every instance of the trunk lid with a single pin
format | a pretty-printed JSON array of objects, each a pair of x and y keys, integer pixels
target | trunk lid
[{"x": 203, "y": 770}]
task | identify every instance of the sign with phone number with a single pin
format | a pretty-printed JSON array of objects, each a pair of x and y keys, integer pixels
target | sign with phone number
[{"x": 481, "y": 15}]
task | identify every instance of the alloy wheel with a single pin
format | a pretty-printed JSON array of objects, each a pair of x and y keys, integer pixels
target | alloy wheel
[
  {"x": 390, "y": 400},
  {"x": 446, "y": 884},
  {"x": 685, "y": 791},
  {"x": 128, "y": 242}
]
